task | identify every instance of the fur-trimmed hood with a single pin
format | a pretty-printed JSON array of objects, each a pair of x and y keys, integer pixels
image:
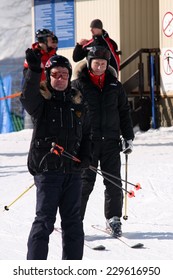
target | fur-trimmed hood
[
  {"x": 73, "y": 95},
  {"x": 44, "y": 90},
  {"x": 83, "y": 64}
]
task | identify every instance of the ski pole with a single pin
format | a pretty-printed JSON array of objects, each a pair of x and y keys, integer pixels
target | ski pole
[
  {"x": 8, "y": 206},
  {"x": 137, "y": 186},
  {"x": 125, "y": 217},
  {"x": 59, "y": 151},
  {"x": 130, "y": 193}
]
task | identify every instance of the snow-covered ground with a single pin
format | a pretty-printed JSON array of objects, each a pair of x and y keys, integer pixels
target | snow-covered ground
[{"x": 150, "y": 212}]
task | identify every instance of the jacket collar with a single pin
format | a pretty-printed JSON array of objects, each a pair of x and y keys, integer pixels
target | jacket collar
[{"x": 81, "y": 69}]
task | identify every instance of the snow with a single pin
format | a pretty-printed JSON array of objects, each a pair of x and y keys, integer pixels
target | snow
[
  {"x": 16, "y": 28},
  {"x": 149, "y": 212}
]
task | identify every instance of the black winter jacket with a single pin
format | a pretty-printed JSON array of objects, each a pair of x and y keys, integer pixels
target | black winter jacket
[
  {"x": 57, "y": 117},
  {"x": 109, "y": 108},
  {"x": 80, "y": 52}
]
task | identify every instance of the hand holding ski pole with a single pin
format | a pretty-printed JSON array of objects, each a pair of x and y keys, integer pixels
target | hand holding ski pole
[
  {"x": 56, "y": 149},
  {"x": 59, "y": 151},
  {"x": 127, "y": 146}
]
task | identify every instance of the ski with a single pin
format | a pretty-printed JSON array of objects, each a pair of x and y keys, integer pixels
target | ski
[
  {"x": 123, "y": 239},
  {"x": 97, "y": 247}
]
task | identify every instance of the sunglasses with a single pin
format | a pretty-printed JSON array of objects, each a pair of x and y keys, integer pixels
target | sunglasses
[{"x": 57, "y": 75}]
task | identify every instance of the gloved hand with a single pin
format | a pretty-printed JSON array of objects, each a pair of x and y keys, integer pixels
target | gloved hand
[
  {"x": 127, "y": 146},
  {"x": 33, "y": 58}
]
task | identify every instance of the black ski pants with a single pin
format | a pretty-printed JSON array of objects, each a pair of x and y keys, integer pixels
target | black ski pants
[
  {"x": 57, "y": 190},
  {"x": 108, "y": 153}
]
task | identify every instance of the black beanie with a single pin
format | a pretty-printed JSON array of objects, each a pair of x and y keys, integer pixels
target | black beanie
[{"x": 96, "y": 23}]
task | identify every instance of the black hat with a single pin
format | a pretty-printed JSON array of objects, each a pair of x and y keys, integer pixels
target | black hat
[
  {"x": 55, "y": 39},
  {"x": 96, "y": 23},
  {"x": 98, "y": 52},
  {"x": 55, "y": 61},
  {"x": 42, "y": 34}
]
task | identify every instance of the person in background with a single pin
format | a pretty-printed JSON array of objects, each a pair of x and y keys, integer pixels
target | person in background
[
  {"x": 100, "y": 37},
  {"x": 110, "y": 120},
  {"x": 46, "y": 45},
  {"x": 54, "y": 44},
  {"x": 59, "y": 118}
]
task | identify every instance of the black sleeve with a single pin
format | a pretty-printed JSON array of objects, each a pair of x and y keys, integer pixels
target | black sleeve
[
  {"x": 31, "y": 98},
  {"x": 85, "y": 147},
  {"x": 85, "y": 150},
  {"x": 25, "y": 71},
  {"x": 115, "y": 46},
  {"x": 76, "y": 84},
  {"x": 126, "y": 125},
  {"x": 79, "y": 53}
]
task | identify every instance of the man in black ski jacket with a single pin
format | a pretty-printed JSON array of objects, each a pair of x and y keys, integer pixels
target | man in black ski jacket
[
  {"x": 110, "y": 118},
  {"x": 100, "y": 37},
  {"x": 59, "y": 118}
]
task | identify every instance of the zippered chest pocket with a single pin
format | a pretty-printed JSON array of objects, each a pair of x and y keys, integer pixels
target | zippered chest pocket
[
  {"x": 76, "y": 122},
  {"x": 55, "y": 117},
  {"x": 65, "y": 120}
]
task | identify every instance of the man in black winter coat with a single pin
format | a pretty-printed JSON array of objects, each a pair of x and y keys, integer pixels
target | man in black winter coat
[
  {"x": 59, "y": 118},
  {"x": 100, "y": 37},
  {"x": 110, "y": 118}
]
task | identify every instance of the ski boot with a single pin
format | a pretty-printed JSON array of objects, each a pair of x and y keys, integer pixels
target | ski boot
[{"x": 114, "y": 226}]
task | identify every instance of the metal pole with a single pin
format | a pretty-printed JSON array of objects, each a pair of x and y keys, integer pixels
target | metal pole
[
  {"x": 152, "y": 90},
  {"x": 8, "y": 206},
  {"x": 125, "y": 217}
]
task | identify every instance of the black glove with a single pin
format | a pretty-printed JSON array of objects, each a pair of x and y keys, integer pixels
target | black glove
[
  {"x": 127, "y": 146},
  {"x": 33, "y": 58}
]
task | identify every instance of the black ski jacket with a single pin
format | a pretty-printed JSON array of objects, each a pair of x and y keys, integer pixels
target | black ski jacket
[
  {"x": 80, "y": 52},
  {"x": 109, "y": 108},
  {"x": 57, "y": 117}
]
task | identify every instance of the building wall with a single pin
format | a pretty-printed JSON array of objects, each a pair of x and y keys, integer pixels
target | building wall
[
  {"x": 165, "y": 109},
  {"x": 139, "y": 28},
  {"x": 107, "y": 11}
]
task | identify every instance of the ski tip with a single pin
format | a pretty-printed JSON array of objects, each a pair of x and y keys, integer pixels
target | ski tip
[
  {"x": 99, "y": 248},
  {"x": 137, "y": 246}
]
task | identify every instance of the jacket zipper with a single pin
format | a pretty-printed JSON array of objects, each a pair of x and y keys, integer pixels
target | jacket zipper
[
  {"x": 72, "y": 119},
  {"x": 61, "y": 119}
]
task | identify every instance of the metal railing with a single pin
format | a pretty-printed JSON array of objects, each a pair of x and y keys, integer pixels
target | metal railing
[
  {"x": 144, "y": 107},
  {"x": 137, "y": 78}
]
